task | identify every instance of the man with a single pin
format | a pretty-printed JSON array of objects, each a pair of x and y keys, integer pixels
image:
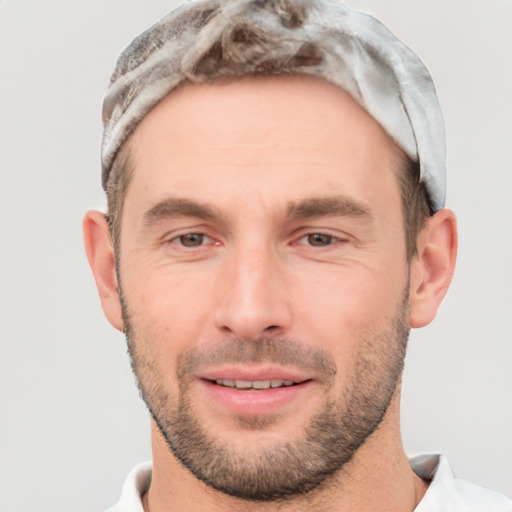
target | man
[{"x": 276, "y": 225}]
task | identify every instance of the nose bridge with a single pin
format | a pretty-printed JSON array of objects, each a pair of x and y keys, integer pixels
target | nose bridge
[{"x": 253, "y": 301}]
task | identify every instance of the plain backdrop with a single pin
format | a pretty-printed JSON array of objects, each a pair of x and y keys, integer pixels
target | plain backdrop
[{"x": 72, "y": 424}]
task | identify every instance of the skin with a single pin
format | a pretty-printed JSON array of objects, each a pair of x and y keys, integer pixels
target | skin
[{"x": 249, "y": 150}]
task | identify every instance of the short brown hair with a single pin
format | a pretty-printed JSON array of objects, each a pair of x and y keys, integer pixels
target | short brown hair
[
  {"x": 117, "y": 187},
  {"x": 416, "y": 205}
]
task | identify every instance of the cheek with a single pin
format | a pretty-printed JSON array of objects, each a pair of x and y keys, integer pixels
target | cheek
[
  {"x": 346, "y": 306},
  {"x": 168, "y": 310}
]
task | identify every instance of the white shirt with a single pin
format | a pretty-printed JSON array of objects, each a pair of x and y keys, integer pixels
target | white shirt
[{"x": 444, "y": 494}]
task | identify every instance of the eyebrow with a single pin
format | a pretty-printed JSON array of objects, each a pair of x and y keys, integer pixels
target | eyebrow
[
  {"x": 308, "y": 208},
  {"x": 339, "y": 206},
  {"x": 176, "y": 207}
]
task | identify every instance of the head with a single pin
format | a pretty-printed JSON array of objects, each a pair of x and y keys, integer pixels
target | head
[{"x": 278, "y": 237}]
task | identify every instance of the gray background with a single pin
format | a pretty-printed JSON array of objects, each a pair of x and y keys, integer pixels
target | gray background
[{"x": 72, "y": 425}]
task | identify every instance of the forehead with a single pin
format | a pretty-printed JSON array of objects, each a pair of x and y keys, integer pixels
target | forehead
[{"x": 275, "y": 134}]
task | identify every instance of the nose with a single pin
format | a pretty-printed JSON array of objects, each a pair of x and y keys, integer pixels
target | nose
[{"x": 252, "y": 300}]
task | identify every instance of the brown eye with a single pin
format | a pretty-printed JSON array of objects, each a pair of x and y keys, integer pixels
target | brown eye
[
  {"x": 319, "y": 240},
  {"x": 192, "y": 239}
]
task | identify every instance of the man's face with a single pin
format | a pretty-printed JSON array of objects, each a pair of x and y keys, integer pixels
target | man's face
[{"x": 264, "y": 280}]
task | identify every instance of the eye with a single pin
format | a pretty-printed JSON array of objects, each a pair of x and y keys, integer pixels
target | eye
[
  {"x": 319, "y": 239},
  {"x": 191, "y": 239}
]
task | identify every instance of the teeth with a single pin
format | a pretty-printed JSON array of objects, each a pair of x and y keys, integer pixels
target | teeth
[
  {"x": 261, "y": 384},
  {"x": 226, "y": 382},
  {"x": 243, "y": 384},
  {"x": 257, "y": 384}
]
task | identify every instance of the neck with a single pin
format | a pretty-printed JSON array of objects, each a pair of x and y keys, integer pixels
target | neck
[{"x": 378, "y": 477}]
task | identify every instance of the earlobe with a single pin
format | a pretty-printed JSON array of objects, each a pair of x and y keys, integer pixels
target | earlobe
[
  {"x": 100, "y": 254},
  {"x": 432, "y": 270}
]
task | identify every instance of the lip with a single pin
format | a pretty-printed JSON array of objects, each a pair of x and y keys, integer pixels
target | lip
[
  {"x": 251, "y": 401},
  {"x": 252, "y": 373}
]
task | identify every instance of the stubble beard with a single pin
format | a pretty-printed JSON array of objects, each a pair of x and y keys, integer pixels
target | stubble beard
[{"x": 293, "y": 467}]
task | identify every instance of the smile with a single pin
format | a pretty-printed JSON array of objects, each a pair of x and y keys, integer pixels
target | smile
[
  {"x": 256, "y": 395},
  {"x": 255, "y": 385}
]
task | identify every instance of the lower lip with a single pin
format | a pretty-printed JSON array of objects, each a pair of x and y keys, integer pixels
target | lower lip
[{"x": 252, "y": 402}]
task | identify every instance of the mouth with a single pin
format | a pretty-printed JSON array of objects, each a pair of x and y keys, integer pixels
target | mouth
[
  {"x": 250, "y": 391},
  {"x": 256, "y": 385}
]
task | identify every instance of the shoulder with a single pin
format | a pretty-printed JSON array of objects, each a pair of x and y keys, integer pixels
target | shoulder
[{"x": 449, "y": 494}]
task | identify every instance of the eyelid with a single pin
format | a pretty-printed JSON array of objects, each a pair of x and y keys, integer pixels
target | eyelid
[
  {"x": 338, "y": 238},
  {"x": 175, "y": 238},
  {"x": 302, "y": 232},
  {"x": 321, "y": 233},
  {"x": 182, "y": 229}
]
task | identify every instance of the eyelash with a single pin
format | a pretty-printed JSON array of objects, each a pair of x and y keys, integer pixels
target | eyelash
[
  {"x": 328, "y": 239},
  {"x": 179, "y": 239}
]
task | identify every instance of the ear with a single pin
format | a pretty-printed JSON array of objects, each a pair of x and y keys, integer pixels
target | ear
[
  {"x": 100, "y": 253},
  {"x": 432, "y": 269}
]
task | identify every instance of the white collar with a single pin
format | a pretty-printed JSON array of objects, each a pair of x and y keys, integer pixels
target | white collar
[{"x": 445, "y": 493}]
